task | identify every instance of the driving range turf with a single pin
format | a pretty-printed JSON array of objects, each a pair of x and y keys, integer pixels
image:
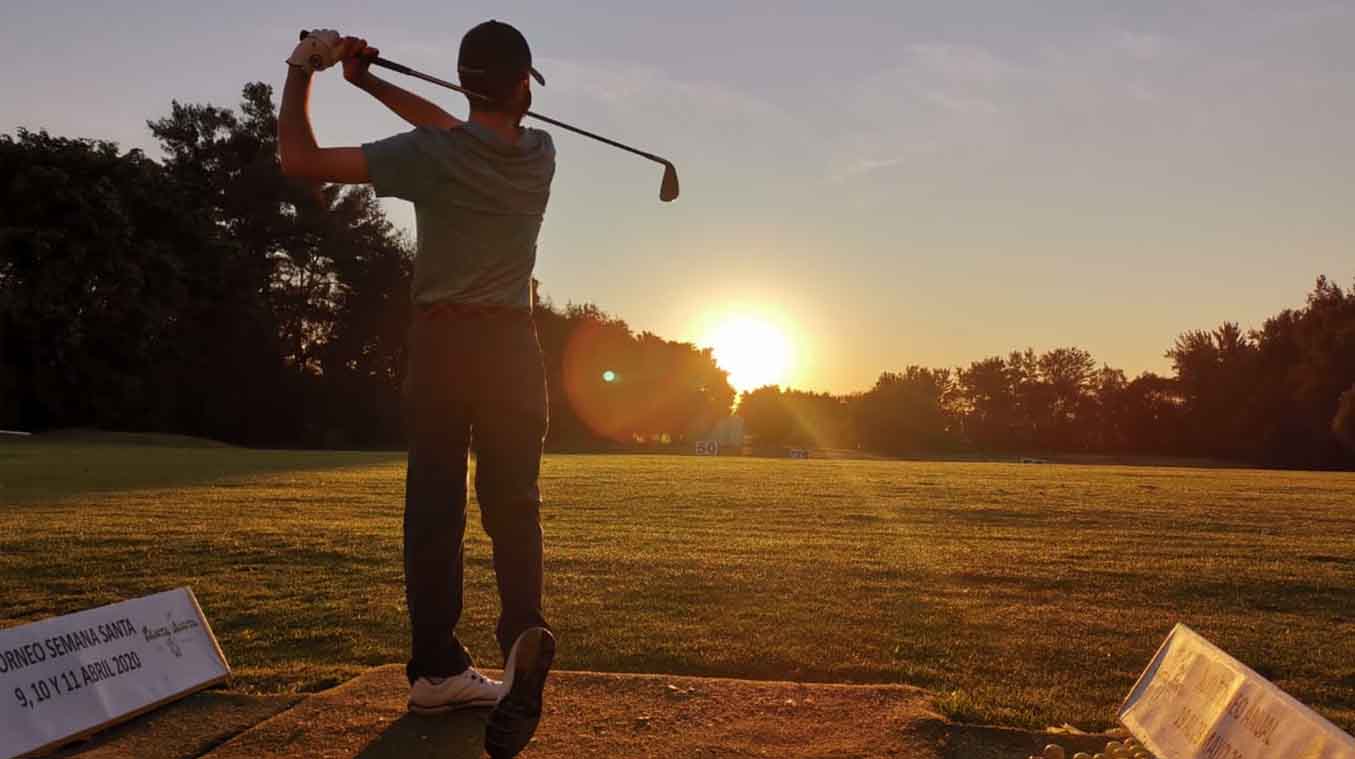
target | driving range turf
[{"x": 1024, "y": 595}]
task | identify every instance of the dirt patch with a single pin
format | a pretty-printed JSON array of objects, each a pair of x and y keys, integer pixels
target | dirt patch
[
  {"x": 587, "y": 714},
  {"x": 591, "y": 714}
]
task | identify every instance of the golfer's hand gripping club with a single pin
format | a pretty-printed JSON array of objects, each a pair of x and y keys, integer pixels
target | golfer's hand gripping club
[
  {"x": 317, "y": 50},
  {"x": 316, "y": 55}
]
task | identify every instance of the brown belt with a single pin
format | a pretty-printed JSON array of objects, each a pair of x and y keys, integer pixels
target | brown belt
[{"x": 470, "y": 311}]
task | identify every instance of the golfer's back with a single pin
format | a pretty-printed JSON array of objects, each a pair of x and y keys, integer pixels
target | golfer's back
[{"x": 479, "y": 203}]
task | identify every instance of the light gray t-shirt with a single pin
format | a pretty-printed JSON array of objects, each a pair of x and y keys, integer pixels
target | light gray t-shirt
[{"x": 478, "y": 206}]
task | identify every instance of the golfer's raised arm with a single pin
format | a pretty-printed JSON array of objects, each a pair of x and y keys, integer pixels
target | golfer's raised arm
[
  {"x": 301, "y": 156},
  {"x": 405, "y": 104}
]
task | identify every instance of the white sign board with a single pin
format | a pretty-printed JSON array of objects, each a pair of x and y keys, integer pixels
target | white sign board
[
  {"x": 708, "y": 448},
  {"x": 69, "y": 676},
  {"x": 1196, "y": 702}
]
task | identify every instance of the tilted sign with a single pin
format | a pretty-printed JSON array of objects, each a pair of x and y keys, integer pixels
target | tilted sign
[
  {"x": 69, "y": 676},
  {"x": 1196, "y": 702}
]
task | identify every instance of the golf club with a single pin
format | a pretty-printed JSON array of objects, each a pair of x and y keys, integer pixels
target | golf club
[{"x": 668, "y": 189}]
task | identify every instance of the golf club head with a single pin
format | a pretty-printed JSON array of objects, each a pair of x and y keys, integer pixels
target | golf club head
[{"x": 668, "y": 191}]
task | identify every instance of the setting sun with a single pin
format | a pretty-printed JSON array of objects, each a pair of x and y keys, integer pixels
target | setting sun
[{"x": 754, "y": 351}]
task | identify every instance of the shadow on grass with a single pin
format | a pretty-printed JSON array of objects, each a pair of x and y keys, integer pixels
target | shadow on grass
[
  {"x": 457, "y": 735},
  {"x": 39, "y": 471}
]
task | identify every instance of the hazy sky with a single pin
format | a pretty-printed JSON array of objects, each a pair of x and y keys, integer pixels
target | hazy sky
[{"x": 899, "y": 182}]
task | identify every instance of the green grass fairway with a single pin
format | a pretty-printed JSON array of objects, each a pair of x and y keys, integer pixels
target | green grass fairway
[{"x": 1028, "y": 595}]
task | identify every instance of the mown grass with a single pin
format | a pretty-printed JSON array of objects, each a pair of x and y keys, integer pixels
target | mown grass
[{"x": 1026, "y": 595}]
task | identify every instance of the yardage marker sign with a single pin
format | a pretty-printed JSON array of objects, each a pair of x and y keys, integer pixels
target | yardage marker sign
[
  {"x": 69, "y": 676},
  {"x": 1196, "y": 702}
]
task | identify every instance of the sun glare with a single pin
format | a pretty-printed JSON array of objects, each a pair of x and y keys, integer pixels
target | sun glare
[{"x": 754, "y": 352}]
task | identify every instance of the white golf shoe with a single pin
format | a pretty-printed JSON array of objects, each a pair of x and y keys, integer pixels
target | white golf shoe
[{"x": 468, "y": 690}]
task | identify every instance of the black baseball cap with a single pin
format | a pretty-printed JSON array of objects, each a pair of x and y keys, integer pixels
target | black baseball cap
[{"x": 497, "y": 51}]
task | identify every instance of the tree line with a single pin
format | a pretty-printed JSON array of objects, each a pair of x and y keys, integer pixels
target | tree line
[
  {"x": 1280, "y": 395},
  {"x": 205, "y": 294}
]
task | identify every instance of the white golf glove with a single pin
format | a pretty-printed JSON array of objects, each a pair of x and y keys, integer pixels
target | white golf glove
[{"x": 317, "y": 51}]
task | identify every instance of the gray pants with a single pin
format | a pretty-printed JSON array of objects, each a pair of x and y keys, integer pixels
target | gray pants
[{"x": 481, "y": 378}]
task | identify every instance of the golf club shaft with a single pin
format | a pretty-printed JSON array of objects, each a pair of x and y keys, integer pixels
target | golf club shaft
[{"x": 407, "y": 71}]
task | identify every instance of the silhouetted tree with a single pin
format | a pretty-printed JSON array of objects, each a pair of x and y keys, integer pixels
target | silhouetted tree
[
  {"x": 766, "y": 417},
  {"x": 205, "y": 295},
  {"x": 1104, "y": 413},
  {"x": 94, "y": 249},
  {"x": 820, "y": 420},
  {"x": 1214, "y": 372},
  {"x": 1154, "y": 415},
  {"x": 362, "y": 356},
  {"x": 988, "y": 404},
  {"x": 1343, "y": 424},
  {"x": 1028, "y": 401},
  {"x": 1066, "y": 377},
  {"x": 609, "y": 387},
  {"x": 1305, "y": 361},
  {"x": 233, "y": 380},
  {"x": 306, "y": 312},
  {"x": 907, "y": 412}
]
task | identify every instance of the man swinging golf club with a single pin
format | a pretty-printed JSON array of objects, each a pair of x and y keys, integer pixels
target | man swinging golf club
[{"x": 475, "y": 372}]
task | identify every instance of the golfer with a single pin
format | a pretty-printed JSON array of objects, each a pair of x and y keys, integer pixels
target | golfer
[{"x": 475, "y": 376}]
